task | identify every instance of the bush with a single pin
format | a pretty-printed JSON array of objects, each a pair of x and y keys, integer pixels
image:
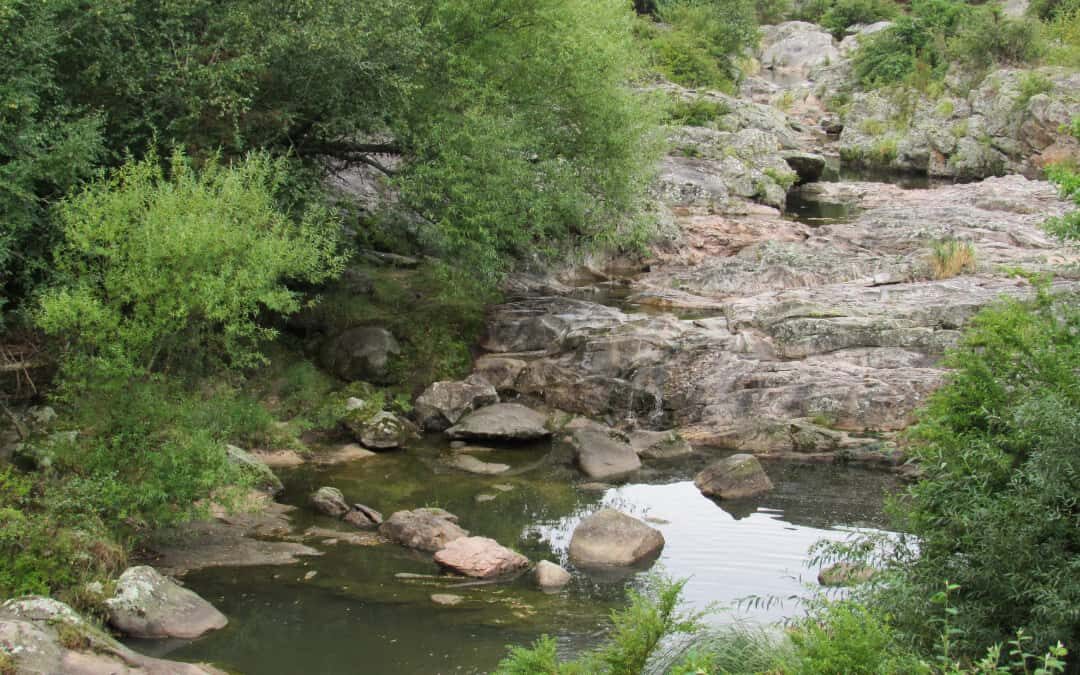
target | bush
[
  {"x": 698, "y": 112},
  {"x": 988, "y": 38},
  {"x": 845, "y": 13},
  {"x": 951, "y": 257},
  {"x": 174, "y": 272}
]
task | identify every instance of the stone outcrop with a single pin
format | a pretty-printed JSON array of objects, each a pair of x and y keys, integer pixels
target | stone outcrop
[
  {"x": 444, "y": 403},
  {"x": 149, "y": 605},
  {"x": 480, "y": 557},
  {"x": 734, "y": 477},
  {"x": 611, "y": 538},
  {"x": 427, "y": 529},
  {"x": 501, "y": 422}
]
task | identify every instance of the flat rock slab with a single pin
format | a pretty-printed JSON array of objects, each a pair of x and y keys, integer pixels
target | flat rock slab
[
  {"x": 733, "y": 477},
  {"x": 427, "y": 529},
  {"x": 501, "y": 422},
  {"x": 602, "y": 456},
  {"x": 480, "y": 557},
  {"x": 474, "y": 465},
  {"x": 609, "y": 538},
  {"x": 149, "y": 605}
]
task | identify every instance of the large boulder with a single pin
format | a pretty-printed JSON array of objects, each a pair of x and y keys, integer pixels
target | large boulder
[
  {"x": 42, "y": 636},
  {"x": 601, "y": 455},
  {"x": 264, "y": 477},
  {"x": 361, "y": 353},
  {"x": 733, "y": 477},
  {"x": 480, "y": 557},
  {"x": 149, "y": 605},
  {"x": 382, "y": 431},
  {"x": 444, "y": 403},
  {"x": 427, "y": 529},
  {"x": 659, "y": 444},
  {"x": 614, "y": 539},
  {"x": 502, "y": 422}
]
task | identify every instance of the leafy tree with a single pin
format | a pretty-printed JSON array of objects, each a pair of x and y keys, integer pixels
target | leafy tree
[{"x": 169, "y": 272}]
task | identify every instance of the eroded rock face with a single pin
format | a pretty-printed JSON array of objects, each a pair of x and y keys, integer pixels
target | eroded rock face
[
  {"x": 361, "y": 353},
  {"x": 427, "y": 529},
  {"x": 734, "y": 477},
  {"x": 480, "y": 557},
  {"x": 601, "y": 455},
  {"x": 444, "y": 403},
  {"x": 149, "y": 605},
  {"x": 611, "y": 538},
  {"x": 501, "y": 422}
]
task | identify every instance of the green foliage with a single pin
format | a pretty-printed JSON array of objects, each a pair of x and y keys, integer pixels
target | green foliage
[
  {"x": 847, "y": 637},
  {"x": 988, "y": 38},
  {"x": 1031, "y": 85},
  {"x": 1067, "y": 178},
  {"x": 772, "y": 11},
  {"x": 1063, "y": 38},
  {"x": 174, "y": 272},
  {"x": 637, "y": 631},
  {"x": 697, "y": 112},
  {"x": 702, "y": 41},
  {"x": 841, "y": 14}
]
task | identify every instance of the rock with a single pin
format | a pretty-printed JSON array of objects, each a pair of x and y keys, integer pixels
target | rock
[
  {"x": 457, "y": 445},
  {"x": 611, "y": 538},
  {"x": 361, "y": 353},
  {"x": 427, "y": 529},
  {"x": 41, "y": 636},
  {"x": 278, "y": 458},
  {"x": 444, "y": 403},
  {"x": 474, "y": 465},
  {"x": 265, "y": 478},
  {"x": 501, "y": 422},
  {"x": 602, "y": 456},
  {"x": 363, "y": 517},
  {"x": 149, "y": 605},
  {"x": 659, "y": 444},
  {"x": 446, "y": 599},
  {"x": 845, "y": 574},
  {"x": 484, "y": 497},
  {"x": 346, "y": 453},
  {"x": 500, "y": 371},
  {"x": 329, "y": 501},
  {"x": 796, "y": 47},
  {"x": 382, "y": 431},
  {"x": 733, "y": 477},
  {"x": 352, "y": 403},
  {"x": 550, "y": 576},
  {"x": 480, "y": 557},
  {"x": 808, "y": 166}
]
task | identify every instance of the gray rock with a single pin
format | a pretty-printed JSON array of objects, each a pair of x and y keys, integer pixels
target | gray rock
[
  {"x": 550, "y": 576},
  {"x": 807, "y": 165},
  {"x": 382, "y": 431},
  {"x": 363, "y": 517},
  {"x": 444, "y": 403},
  {"x": 149, "y": 605},
  {"x": 501, "y": 422},
  {"x": 361, "y": 353},
  {"x": 611, "y": 538},
  {"x": 480, "y": 557},
  {"x": 659, "y": 444},
  {"x": 264, "y": 477},
  {"x": 329, "y": 501},
  {"x": 733, "y": 477},
  {"x": 601, "y": 455},
  {"x": 473, "y": 465},
  {"x": 427, "y": 529}
]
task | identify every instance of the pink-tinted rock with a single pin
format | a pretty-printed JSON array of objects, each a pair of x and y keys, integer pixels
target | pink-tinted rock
[{"x": 480, "y": 557}]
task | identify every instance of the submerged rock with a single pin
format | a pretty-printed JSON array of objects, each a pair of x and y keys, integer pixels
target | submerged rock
[
  {"x": 502, "y": 422},
  {"x": 601, "y": 455},
  {"x": 427, "y": 529},
  {"x": 361, "y": 353},
  {"x": 444, "y": 403},
  {"x": 329, "y": 501},
  {"x": 471, "y": 464},
  {"x": 550, "y": 576},
  {"x": 480, "y": 557},
  {"x": 149, "y": 605},
  {"x": 611, "y": 538},
  {"x": 733, "y": 477}
]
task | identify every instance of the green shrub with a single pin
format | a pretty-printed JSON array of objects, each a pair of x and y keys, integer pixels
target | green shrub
[
  {"x": 174, "y": 272},
  {"x": 697, "y": 112},
  {"x": 848, "y": 637},
  {"x": 988, "y": 38},
  {"x": 845, "y": 13}
]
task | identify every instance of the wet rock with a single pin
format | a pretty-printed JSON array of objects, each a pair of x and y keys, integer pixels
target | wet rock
[
  {"x": 501, "y": 422},
  {"x": 427, "y": 529},
  {"x": 265, "y": 478},
  {"x": 43, "y": 636},
  {"x": 329, "y": 501},
  {"x": 659, "y": 444},
  {"x": 446, "y": 599},
  {"x": 361, "y": 353},
  {"x": 473, "y": 465},
  {"x": 611, "y": 538},
  {"x": 382, "y": 431},
  {"x": 444, "y": 403},
  {"x": 480, "y": 557},
  {"x": 149, "y": 605},
  {"x": 733, "y": 477},
  {"x": 550, "y": 576},
  {"x": 601, "y": 454},
  {"x": 845, "y": 574},
  {"x": 363, "y": 517}
]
